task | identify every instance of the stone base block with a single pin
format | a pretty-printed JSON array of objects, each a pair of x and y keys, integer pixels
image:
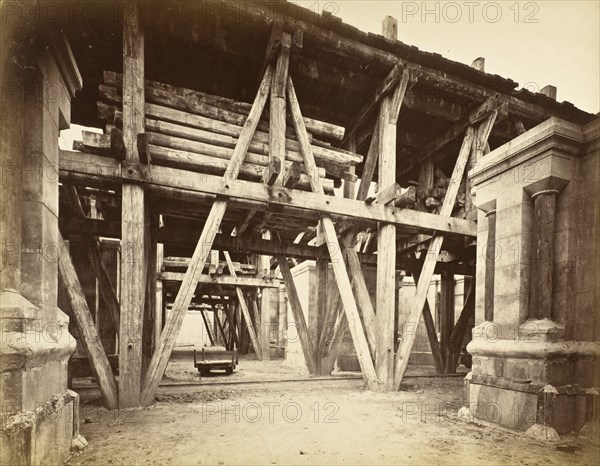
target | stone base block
[{"x": 520, "y": 406}]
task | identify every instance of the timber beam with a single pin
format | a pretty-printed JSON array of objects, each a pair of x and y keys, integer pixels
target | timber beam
[
  {"x": 236, "y": 244},
  {"x": 158, "y": 179}
]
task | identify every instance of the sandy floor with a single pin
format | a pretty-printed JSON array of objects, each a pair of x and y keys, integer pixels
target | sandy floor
[{"x": 306, "y": 422}]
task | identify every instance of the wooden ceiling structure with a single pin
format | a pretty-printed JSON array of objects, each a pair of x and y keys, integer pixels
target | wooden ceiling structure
[{"x": 406, "y": 113}]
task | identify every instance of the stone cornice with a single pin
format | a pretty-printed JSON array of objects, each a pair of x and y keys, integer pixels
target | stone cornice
[{"x": 553, "y": 135}]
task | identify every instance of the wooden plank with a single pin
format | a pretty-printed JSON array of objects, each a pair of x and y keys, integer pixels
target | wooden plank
[
  {"x": 133, "y": 233},
  {"x": 85, "y": 324},
  {"x": 211, "y": 227},
  {"x": 339, "y": 267},
  {"x": 254, "y": 337},
  {"x": 306, "y": 342},
  {"x": 431, "y": 257}
]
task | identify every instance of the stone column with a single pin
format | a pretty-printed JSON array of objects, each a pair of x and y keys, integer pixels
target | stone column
[
  {"x": 544, "y": 211},
  {"x": 490, "y": 266}
]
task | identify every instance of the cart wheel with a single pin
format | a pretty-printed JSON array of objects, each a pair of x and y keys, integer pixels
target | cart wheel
[
  {"x": 204, "y": 372},
  {"x": 229, "y": 371}
]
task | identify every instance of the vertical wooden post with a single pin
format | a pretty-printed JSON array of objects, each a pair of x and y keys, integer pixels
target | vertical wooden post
[
  {"x": 148, "y": 341},
  {"x": 447, "y": 311},
  {"x": 133, "y": 232},
  {"x": 321, "y": 273},
  {"x": 158, "y": 315},
  {"x": 265, "y": 303},
  {"x": 277, "y": 104},
  {"x": 386, "y": 253}
]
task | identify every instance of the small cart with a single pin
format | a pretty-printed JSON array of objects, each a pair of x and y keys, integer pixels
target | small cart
[{"x": 215, "y": 360}]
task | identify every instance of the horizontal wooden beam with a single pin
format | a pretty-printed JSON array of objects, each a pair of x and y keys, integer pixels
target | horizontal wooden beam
[
  {"x": 72, "y": 163},
  {"x": 223, "y": 280}
]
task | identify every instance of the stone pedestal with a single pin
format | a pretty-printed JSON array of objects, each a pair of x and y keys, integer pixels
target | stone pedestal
[
  {"x": 535, "y": 346},
  {"x": 38, "y": 411}
]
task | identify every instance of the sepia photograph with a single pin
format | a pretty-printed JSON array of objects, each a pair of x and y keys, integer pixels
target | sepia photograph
[{"x": 299, "y": 232}]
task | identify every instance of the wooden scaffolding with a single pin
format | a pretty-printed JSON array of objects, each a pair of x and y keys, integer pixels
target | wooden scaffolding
[{"x": 208, "y": 174}]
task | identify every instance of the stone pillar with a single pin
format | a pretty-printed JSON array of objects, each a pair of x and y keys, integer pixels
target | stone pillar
[
  {"x": 35, "y": 343},
  {"x": 544, "y": 212},
  {"x": 490, "y": 265}
]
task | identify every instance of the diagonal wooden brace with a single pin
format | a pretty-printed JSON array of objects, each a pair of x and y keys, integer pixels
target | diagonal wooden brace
[{"x": 162, "y": 353}]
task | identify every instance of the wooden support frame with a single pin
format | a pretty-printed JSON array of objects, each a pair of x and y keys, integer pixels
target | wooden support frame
[
  {"x": 434, "y": 248},
  {"x": 210, "y": 230},
  {"x": 339, "y": 267},
  {"x": 89, "y": 335},
  {"x": 254, "y": 336},
  {"x": 95, "y": 257}
]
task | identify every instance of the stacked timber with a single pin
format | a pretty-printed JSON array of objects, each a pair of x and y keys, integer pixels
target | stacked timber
[
  {"x": 197, "y": 131},
  {"x": 434, "y": 197}
]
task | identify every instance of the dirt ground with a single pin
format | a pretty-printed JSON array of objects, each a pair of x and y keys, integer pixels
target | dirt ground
[{"x": 260, "y": 416}]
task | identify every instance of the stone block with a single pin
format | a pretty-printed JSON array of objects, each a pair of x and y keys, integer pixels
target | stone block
[
  {"x": 588, "y": 175},
  {"x": 511, "y": 409},
  {"x": 39, "y": 271}
]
